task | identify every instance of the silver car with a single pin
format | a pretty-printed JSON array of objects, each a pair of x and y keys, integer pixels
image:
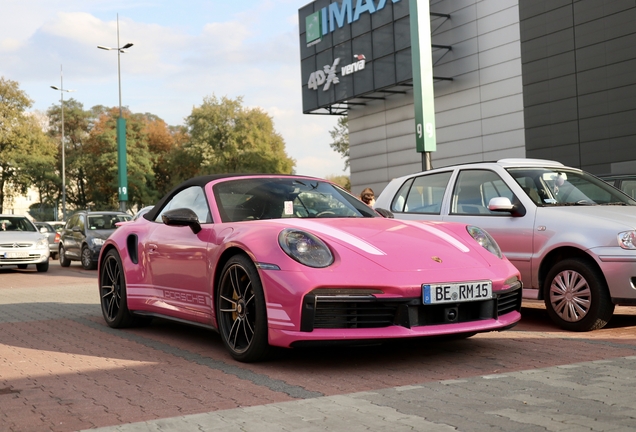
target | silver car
[
  {"x": 21, "y": 243},
  {"x": 53, "y": 236},
  {"x": 571, "y": 235}
]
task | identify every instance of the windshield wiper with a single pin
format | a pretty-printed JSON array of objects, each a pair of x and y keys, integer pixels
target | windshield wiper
[
  {"x": 615, "y": 204},
  {"x": 577, "y": 203}
]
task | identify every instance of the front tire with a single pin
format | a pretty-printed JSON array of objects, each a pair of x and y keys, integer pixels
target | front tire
[
  {"x": 64, "y": 261},
  {"x": 42, "y": 267},
  {"x": 87, "y": 259},
  {"x": 112, "y": 292},
  {"x": 240, "y": 311},
  {"x": 576, "y": 296}
]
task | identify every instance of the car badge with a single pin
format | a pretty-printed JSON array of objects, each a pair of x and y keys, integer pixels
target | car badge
[
  {"x": 436, "y": 259},
  {"x": 15, "y": 245}
]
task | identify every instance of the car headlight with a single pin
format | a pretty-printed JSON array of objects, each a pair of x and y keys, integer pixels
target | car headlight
[
  {"x": 305, "y": 248},
  {"x": 627, "y": 240},
  {"x": 98, "y": 242},
  {"x": 43, "y": 243},
  {"x": 485, "y": 240}
]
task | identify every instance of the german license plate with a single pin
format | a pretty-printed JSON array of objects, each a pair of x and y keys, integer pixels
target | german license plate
[
  {"x": 16, "y": 254},
  {"x": 456, "y": 292}
]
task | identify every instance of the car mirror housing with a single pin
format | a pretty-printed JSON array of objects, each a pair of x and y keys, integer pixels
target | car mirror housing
[
  {"x": 385, "y": 213},
  {"x": 182, "y": 217},
  {"x": 504, "y": 205}
]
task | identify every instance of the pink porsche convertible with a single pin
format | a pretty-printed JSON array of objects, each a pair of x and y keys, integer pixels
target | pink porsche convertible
[{"x": 287, "y": 261}]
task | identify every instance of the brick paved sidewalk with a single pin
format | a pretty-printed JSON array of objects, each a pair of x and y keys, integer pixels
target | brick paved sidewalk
[
  {"x": 62, "y": 369},
  {"x": 591, "y": 396}
]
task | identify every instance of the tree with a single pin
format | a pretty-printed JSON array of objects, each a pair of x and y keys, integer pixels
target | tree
[
  {"x": 77, "y": 125},
  {"x": 26, "y": 153},
  {"x": 340, "y": 136},
  {"x": 341, "y": 180},
  {"x": 225, "y": 137},
  {"x": 101, "y": 161}
]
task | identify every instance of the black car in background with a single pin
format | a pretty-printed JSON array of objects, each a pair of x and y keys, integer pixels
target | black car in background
[{"x": 84, "y": 234}]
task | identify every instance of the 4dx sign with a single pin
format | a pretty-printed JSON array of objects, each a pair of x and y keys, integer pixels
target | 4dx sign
[{"x": 329, "y": 74}]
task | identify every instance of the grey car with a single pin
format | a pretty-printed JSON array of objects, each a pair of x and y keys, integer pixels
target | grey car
[
  {"x": 571, "y": 235},
  {"x": 53, "y": 236},
  {"x": 85, "y": 233}
]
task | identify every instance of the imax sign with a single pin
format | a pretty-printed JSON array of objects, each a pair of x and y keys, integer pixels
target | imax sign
[{"x": 336, "y": 15}]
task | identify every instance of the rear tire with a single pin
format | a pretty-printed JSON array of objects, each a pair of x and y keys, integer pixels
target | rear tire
[
  {"x": 112, "y": 292},
  {"x": 576, "y": 296}
]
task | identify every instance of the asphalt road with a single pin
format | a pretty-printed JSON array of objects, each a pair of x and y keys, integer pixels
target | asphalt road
[{"x": 63, "y": 369}]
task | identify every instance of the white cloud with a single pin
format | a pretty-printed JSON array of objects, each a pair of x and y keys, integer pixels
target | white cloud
[{"x": 180, "y": 55}]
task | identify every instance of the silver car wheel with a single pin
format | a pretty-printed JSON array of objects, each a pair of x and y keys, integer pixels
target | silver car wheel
[{"x": 570, "y": 296}]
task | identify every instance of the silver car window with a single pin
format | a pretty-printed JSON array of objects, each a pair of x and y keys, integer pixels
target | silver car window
[
  {"x": 425, "y": 194},
  {"x": 474, "y": 189}
]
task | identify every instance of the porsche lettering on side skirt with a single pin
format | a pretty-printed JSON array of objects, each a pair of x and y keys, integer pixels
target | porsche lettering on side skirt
[{"x": 188, "y": 298}]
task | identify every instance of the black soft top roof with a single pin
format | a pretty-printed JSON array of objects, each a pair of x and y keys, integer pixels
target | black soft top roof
[{"x": 202, "y": 181}]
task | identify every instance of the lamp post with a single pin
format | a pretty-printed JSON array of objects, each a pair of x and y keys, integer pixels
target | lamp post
[
  {"x": 61, "y": 89},
  {"x": 121, "y": 129}
]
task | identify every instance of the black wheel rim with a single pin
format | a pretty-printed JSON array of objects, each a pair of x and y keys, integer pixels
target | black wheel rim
[
  {"x": 110, "y": 287},
  {"x": 570, "y": 296},
  {"x": 237, "y": 309}
]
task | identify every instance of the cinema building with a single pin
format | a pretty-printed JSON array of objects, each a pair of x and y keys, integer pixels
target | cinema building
[{"x": 550, "y": 79}]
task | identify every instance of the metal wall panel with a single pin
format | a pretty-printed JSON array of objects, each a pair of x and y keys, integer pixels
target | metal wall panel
[
  {"x": 478, "y": 115},
  {"x": 579, "y": 71}
]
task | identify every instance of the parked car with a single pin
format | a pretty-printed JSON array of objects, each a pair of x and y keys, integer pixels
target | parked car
[
  {"x": 290, "y": 260},
  {"x": 57, "y": 225},
  {"x": 626, "y": 183},
  {"x": 53, "y": 236},
  {"x": 142, "y": 212},
  {"x": 85, "y": 233},
  {"x": 572, "y": 236},
  {"x": 22, "y": 244}
]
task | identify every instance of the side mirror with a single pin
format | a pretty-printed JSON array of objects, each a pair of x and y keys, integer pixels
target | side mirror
[
  {"x": 385, "y": 213},
  {"x": 182, "y": 217},
  {"x": 504, "y": 205}
]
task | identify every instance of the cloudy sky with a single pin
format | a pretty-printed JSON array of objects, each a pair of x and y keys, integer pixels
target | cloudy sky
[{"x": 183, "y": 51}]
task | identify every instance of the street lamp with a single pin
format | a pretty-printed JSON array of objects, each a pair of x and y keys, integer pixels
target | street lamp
[
  {"x": 62, "y": 90},
  {"x": 121, "y": 129}
]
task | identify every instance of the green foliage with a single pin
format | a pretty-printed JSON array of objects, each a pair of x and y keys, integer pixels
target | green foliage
[
  {"x": 77, "y": 126},
  {"x": 340, "y": 136},
  {"x": 225, "y": 137},
  {"x": 26, "y": 153},
  {"x": 42, "y": 212},
  {"x": 220, "y": 136},
  {"x": 342, "y": 180}
]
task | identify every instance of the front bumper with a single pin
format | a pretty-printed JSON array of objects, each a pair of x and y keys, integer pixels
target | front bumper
[
  {"x": 35, "y": 257},
  {"x": 359, "y": 319}
]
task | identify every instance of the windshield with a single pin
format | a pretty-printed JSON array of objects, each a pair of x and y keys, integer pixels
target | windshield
[
  {"x": 18, "y": 223},
  {"x": 563, "y": 186},
  {"x": 274, "y": 198},
  {"x": 106, "y": 221}
]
